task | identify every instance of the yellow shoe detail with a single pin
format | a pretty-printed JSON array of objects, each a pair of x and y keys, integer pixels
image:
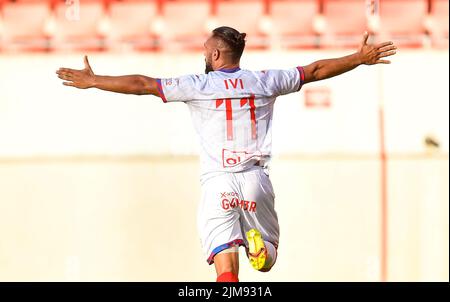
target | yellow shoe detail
[{"x": 256, "y": 250}]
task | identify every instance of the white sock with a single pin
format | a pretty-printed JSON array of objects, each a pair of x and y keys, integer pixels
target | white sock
[{"x": 271, "y": 254}]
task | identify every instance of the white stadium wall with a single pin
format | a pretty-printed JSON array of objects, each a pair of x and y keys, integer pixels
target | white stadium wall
[
  {"x": 39, "y": 116},
  {"x": 99, "y": 186}
]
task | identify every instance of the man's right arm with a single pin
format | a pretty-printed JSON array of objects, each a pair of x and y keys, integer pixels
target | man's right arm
[{"x": 128, "y": 84}]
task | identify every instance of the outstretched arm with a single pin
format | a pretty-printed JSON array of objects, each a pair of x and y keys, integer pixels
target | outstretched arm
[
  {"x": 367, "y": 54},
  {"x": 129, "y": 84}
]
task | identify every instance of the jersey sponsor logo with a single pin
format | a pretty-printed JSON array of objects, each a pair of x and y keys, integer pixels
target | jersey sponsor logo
[
  {"x": 233, "y": 158},
  {"x": 228, "y": 194},
  {"x": 231, "y": 200}
]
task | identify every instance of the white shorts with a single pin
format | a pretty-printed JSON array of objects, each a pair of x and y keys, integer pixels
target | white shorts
[{"x": 232, "y": 204}]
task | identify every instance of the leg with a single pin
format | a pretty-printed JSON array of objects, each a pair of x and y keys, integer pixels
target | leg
[
  {"x": 260, "y": 222},
  {"x": 219, "y": 227},
  {"x": 227, "y": 265}
]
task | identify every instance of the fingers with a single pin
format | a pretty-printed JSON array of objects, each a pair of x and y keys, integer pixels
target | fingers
[
  {"x": 67, "y": 70},
  {"x": 69, "y": 84},
  {"x": 86, "y": 63},
  {"x": 65, "y": 75},
  {"x": 381, "y": 45},
  {"x": 69, "y": 73},
  {"x": 365, "y": 37},
  {"x": 387, "y": 48},
  {"x": 386, "y": 54}
]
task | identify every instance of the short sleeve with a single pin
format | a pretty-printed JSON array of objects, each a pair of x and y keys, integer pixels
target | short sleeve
[
  {"x": 184, "y": 88},
  {"x": 280, "y": 82}
]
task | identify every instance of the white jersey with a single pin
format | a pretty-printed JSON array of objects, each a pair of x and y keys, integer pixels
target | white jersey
[{"x": 232, "y": 113}]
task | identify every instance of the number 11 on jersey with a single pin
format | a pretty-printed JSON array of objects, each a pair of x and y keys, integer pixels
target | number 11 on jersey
[{"x": 229, "y": 114}]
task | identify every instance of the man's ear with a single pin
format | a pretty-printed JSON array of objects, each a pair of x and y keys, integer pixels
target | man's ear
[{"x": 216, "y": 54}]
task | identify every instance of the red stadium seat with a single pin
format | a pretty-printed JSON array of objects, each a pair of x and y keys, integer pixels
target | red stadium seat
[
  {"x": 155, "y": 24},
  {"x": 244, "y": 16},
  {"x": 346, "y": 22},
  {"x": 293, "y": 22},
  {"x": 78, "y": 27},
  {"x": 440, "y": 23},
  {"x": 403, "y": 21},
  {"x": 130, "y": 24},
  {"x": 24, "y": 25},
  {"x": 185, "y": 23}
]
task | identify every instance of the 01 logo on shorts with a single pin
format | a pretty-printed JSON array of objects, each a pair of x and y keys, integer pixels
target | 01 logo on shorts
[{"x": 231, "y": 200}]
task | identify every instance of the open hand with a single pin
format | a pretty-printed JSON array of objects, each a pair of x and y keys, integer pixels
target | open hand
[
  {"x": 371, "y": 54},
  {"x": 84, "y": 78}
]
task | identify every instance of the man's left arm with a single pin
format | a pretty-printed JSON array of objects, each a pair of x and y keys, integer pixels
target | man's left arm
[{"x": 368, "y": 54}]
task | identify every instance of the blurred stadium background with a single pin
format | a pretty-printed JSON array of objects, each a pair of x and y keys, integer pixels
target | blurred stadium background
[{"x": 96, "y": 186}]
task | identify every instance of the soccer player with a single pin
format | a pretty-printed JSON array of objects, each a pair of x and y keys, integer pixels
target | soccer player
[{"x": 232, "y": 113}]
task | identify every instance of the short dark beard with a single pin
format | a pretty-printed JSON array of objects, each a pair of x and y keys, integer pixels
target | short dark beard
[{"x": 208, "y": 68}]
